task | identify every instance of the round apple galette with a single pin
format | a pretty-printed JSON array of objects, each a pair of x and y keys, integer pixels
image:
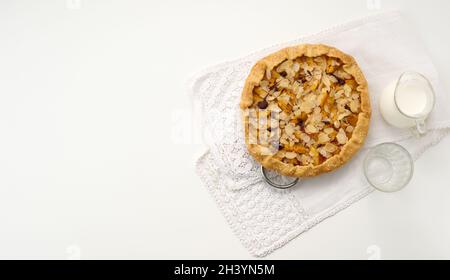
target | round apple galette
[{"x": 306, "y": 110}]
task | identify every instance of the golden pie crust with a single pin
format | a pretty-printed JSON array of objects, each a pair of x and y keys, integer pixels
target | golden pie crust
[{"x": 320, "y": 98}]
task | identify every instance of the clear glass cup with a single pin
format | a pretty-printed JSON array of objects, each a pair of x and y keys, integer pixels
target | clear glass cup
[{"x": 388, "y": 167}]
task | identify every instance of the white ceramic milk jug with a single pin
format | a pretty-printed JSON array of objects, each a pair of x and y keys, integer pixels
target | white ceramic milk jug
[{"x": 407, "y": 102}]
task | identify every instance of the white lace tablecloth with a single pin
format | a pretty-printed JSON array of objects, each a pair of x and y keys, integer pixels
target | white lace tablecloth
[{"x": 264, "y": 218}]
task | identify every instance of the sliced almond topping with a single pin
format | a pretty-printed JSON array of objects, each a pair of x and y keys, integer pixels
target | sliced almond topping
[
  {"x": 342, "y": 74},
  {"x": 290, "y": 155},
  {"x": 326, "y": 81},
  {"x": 341, "y": 137},
  {"x": 305, "y": 138},
  {"x": 317, "y": 111},
  {"x": 322, "y": 138},
  {"x": 337, "y": 124},
  {"x": 328, "y": 130},
  {"x": 347, "y": 90},
  {"x": 305, "y": 159},
  {"x": 284, "y": 117},
  {"x": 324, "y": 152},
  {"x": 290, "y": 129},
  {"x": 330, "y": 147},
  {"x": 291, "y": 142},
  {"x": 297, "y": 113},
  {"x": 310, "y": 129},
  {"x": 332, "y": 79},
  {"x": 297, "y": 88},
  {"x": 354, "y": 105},
  {"x": 268, "y": 74},
  {"x": 306, "y": 107},
  {"x": 270, "y": 98},
  {"x": 287, "y": 64},
  {"x": 339, "y": 94},
  {"x": 285, "y": 98},
  {"x": 284, "y": 83},
  {"x": 349, "y": 129},
  {"x": 343, "y": 114}
]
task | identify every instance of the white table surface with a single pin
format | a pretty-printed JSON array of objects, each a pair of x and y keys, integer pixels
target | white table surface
[{"x": 92, "y": 94}]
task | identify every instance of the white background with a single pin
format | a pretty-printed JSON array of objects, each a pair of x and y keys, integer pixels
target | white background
[{"x": 91, "y": 93}]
